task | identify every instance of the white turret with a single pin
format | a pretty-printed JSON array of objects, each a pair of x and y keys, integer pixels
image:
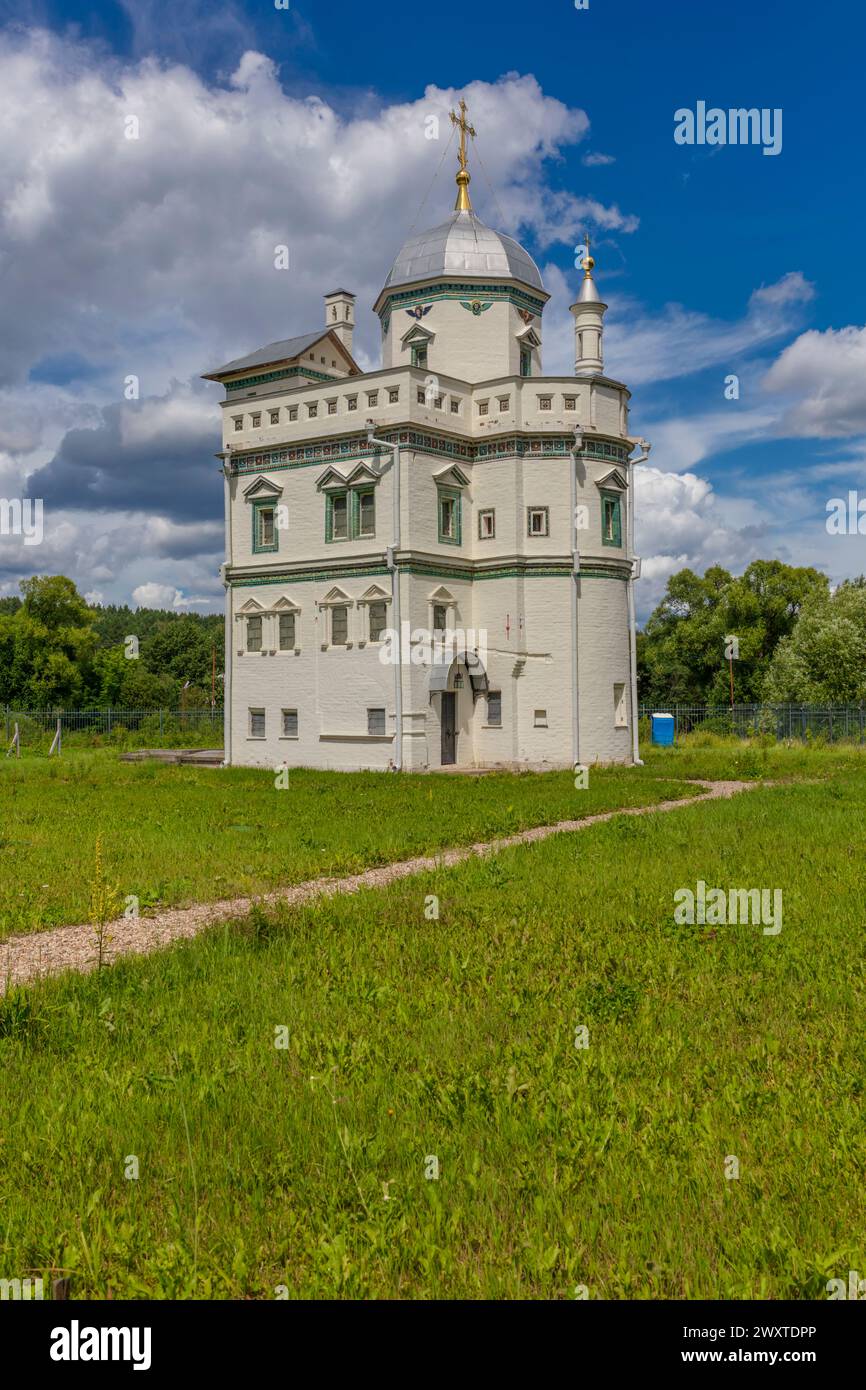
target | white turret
[
  {"x": 340, "y": 316},
  {"x": 589, "y": 314}
]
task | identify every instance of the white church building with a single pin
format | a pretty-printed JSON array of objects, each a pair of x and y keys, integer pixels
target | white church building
[{"x": 431, "y": 564}]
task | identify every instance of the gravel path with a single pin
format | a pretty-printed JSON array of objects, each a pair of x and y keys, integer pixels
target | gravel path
[{"x": 39, "y": 954}]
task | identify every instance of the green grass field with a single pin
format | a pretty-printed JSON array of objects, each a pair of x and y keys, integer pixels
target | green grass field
[
  {"x": 304, "y": 1168},
  {"x": 178, "y": 835}
]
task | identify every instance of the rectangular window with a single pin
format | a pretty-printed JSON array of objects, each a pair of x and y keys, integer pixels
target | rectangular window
[
  {"x": 538, "y": 521},
  {"x": 540, "y": 719},
  {"x": 239, "y": 422},
  {"x": 312, "y": 409},
  {"x": 421, "y": 396},
  {"x": 438, "y": 402},
  {"x": 376, "y": 721},
  {"x": 287, "y": 632},
  {"x": 366, "y": 513},
  {"x": 293, "y": 412},
  {"x": 620, "y": 710},
  {"x": 504, "y": 403},
  {"x": 257, "y": 723},
  {"x": 351, "y": 402},
  {"x": 449, "y": 516},
  {"x": 290, "y": 723},
  {"x": 483, "y": 407},
  {"x": 264, "y": 528},
  {"x": 419, "y": 354},
  {"x": 487, "y": 525},
  {"x": 570, "y": 402},
  {"x": 494, "y": 707},
  {"x": 378, "y": 620},
  {"x": 440, "y": 619},
  {"x": 332, "y": 407},
  {"x": 254, "y": 634},
  {"x": 455, "y": 405},
  {"x": 393, "y": 396},
  {"x": 275, "y": 416},
  {"x": 545, "y": 402},
  {"x": 336, "y": 516},
  {"x": 611, "y": 519},
  {"x": 525, "y": 362},
  {"x": 256, "y": 419},
  {"x": 372, "y": 397},
  {"x": 339, "y": 626}
]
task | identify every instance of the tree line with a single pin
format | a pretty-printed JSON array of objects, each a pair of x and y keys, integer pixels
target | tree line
[
  {"x": 797, "y": 640},
  {"x": 56, "y": 650}
]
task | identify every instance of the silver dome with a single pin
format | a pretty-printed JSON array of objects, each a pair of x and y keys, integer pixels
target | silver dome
[{"x": 463, "y": 246}]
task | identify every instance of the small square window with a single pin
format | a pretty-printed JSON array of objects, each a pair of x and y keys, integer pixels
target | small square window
[
  {"x": 438, "y": 402},
  {"x": 483, "y": 407},
  {"x": 254, "y": 634},
  {"x": 287, "y": 632},
  {"x": 256, "y": 419},
  {"x": 333, "y": 363},
  {"x": 332, "y": 407},
  {"x": 540, "y": 720},
  {"x": 420, "y": 396},
  {"x": 312, "y": 409},
  {"x": 376, "y": 721},
  {"x": 393, "y": 395},
  {"x": 372, "y": 397},
  {"x": 293, "y": 412},
  {"x": 487, "y": 525},
  {"x": 504, "y": 403},
  {"x": 257, "y": 723},
  {"x": 494, "y": 707},
  {"x": 322, "y": 361},
  {"x": 455, "y": 405},
  {"x": 275, "y": 416},
  {"x": 378, "y": 620},
  {"x": 339, "y": 626},
  {"x": 239, "y": 422},
  {"x": 545, "y": 402},
  {"x": 351, "y": 402},
  {"x": 538, "y": 521},
  {"x": 290, "y": 723},
  {"x": 570, "y": 402}
]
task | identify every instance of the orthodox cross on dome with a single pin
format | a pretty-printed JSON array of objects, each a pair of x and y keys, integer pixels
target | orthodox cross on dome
[
  {"x": 463, "y": 203},
  {"x": 588, "y": 262}
]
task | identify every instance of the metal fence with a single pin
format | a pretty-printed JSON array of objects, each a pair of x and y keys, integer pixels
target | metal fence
[
  {"x": 830, "y": 722},
  {"x": 112, "y": 720}
]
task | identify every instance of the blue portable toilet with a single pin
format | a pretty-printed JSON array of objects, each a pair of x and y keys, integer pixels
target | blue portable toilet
[{"x": 662, "y": 729}]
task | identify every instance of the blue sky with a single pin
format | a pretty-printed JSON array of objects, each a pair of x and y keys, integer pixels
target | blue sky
[{"x": 304, "y": 123}]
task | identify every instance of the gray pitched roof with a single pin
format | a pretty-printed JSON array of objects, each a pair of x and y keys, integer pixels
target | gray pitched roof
[{"x": 281, "y": 351}]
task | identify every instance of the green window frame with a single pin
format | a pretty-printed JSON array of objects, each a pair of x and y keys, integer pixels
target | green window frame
[
  {"x": 262, "y": 528},
  {"x": 611, "y": 519},
  {"x": 450, "y": 497},
  {"x": 330, "y": 531},
  {"x": 419, "y": 354},
  {"x": 525, "y": 362},
  {"x": 363, "y": 512}
]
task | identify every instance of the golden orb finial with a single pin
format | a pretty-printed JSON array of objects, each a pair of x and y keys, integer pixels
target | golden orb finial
[{"x": 588, "y": 261}]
